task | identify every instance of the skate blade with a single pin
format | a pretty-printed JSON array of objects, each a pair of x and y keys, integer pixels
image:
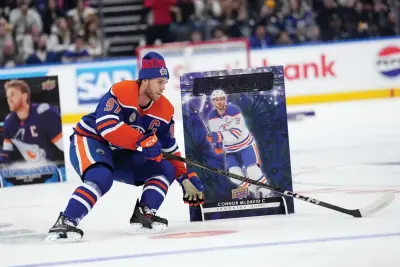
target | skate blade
[
  {"x": 55, "y": 238},
  {"x": 137, "y": 228}
]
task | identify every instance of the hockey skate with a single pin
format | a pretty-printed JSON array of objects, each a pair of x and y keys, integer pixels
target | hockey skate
[
  {"x": 145, "y": 220},
  {"x": 64, "y": 231}
]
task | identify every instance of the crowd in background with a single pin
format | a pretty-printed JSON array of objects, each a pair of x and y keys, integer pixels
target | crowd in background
[
  {"x": 48, "y": 31},
  {"x": 269, "y": 22}
]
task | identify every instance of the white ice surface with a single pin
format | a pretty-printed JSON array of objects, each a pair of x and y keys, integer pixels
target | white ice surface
[{"x": 347, "y": 155}]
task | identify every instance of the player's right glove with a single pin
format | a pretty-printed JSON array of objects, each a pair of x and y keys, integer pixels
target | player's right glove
[
  {"x": 150, "y": 146},
  {"x": 215, "y": 137},
  {"x": 193, "y": 189}
]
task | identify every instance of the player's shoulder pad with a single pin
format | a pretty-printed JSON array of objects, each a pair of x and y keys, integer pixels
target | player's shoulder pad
[
  {"x": 213, "y": 114},
  {"x": 127, "y": 93},
  {"x": 161, "y": 109},
  {"x": 41, "y": 108},
  {"x": 9, "y": 118},
  {"x": 232, "y": 110}
]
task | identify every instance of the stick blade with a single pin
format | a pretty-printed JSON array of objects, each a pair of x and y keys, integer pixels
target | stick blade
[{"x": 378, "y": 205}]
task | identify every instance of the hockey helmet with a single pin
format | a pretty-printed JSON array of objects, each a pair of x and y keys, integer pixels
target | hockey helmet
[{"x": 218, "y": 93}]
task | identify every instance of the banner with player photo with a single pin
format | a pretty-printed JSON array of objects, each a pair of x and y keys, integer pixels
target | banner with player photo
[
  {"x": 237, "y": 121},
  {"x": 32, "y": 150}
]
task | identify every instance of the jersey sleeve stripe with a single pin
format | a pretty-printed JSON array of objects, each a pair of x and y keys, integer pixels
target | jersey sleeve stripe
[
  {"x": 106, "y": 117},
  {"x": 236, "y": 129},
  {"x": 87, "y": 127},
  {"x": 107, "y": 123},
  {"x": 105, "y": 132},
  {"x": 234, "y": 134},
  {"x": 81, "y": 132},
  {"x": 171, "y": 149},
  {"x": 57, "y": 138}
]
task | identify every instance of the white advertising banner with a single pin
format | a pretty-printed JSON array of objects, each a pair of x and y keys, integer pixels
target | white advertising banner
[
  {"x": 309, "y": 70},
  {"x": 331, "y": 68}
]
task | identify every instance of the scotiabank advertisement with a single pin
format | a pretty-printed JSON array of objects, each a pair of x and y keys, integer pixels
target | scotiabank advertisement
[{"x": 331, "y": 68}]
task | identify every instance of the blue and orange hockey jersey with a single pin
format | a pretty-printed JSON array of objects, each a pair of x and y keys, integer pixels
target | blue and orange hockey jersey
[
  {"x": 120, "y": 122},
  {"x": 37, "y": 138}
]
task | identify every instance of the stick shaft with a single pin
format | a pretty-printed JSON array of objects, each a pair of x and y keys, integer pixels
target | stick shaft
[{"x": 355, "y": 213}]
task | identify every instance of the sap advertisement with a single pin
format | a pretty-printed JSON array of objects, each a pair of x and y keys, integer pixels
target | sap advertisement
[{"x": 93, "y": 82}]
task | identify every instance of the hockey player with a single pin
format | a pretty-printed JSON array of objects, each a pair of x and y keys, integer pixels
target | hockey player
[
  {"x": 230, "y": 133},
  {"x": 123, "y": 140},
  {"x": 32, "y": 132}
]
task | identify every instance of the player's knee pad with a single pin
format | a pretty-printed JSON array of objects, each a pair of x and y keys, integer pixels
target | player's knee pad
[
  {"x": 238, "y": 171},
  {"x": 254, "y": 172},
  {"x": 100, "y": 175}
]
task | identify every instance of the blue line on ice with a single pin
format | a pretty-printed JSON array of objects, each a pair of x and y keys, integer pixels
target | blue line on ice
[{"x": 210, "y": 249}]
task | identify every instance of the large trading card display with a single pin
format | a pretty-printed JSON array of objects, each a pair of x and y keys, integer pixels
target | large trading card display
[{"x": 237, "y": 121}]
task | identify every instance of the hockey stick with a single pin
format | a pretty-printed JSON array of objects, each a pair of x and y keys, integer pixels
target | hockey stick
[{"x": 376, "y": 206}]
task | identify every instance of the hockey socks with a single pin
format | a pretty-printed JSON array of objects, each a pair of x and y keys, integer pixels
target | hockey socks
[
  {"x": 154, "y": 191},
  {"x": 82, "y": 201},
  {"x": 97, "y": 182}
]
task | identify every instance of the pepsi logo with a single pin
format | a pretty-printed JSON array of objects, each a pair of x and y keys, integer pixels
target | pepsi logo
[{"x": 388, "y": 61}]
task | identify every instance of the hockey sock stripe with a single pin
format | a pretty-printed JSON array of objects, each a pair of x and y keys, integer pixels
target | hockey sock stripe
[
  {"x": 161, "y": 178},
  {"x": 151, "y": 187},
  {"x": 89, "y": 198},
  {"x": 263, "y": 180},
  {"x": 92, "y": 190},
  {"x": 82, "y": 201},
  {"x": 157, "y": 183}
]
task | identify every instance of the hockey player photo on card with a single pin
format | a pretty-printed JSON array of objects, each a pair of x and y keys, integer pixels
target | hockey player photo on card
[
  {"x": 236, "y": 121},
  {"x": 32, "y": 149}
]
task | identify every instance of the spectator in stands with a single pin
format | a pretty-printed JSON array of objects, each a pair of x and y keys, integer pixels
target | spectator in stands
[
  {"x": 78, "y": 51},
  {"x": 80, "y": 15},
  {"x": 184, "y": 16},
  {"x": 159, "y": 20},
  {"x": 5, "y": 34},
  {"x": 298, "y": 21},
  {"x": 61, "y": 36},
  {"x": 196, "y": 36},
  {"x": 207, "y": 14},
  {"x": 23, "y": 17},
  {"x": 26, "y": 42},
  {"x": 10, "y": 58},
  {"x": 284, "y": 39},
  {"x": 260, "y": 38},
  {"x": 41, "y": 55},
  {"x": 271, "y": 16},
  {"x": 50, "y": 15},
  {"x": 94, "y": 39},
  {"x": 219, "y": 34}
]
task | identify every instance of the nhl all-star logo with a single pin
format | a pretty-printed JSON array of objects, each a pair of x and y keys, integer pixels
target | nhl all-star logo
[
  {"x": 132, "y": 117},
  {"x": 163, "y": 71},
  {"x": 100, "y": 151}
]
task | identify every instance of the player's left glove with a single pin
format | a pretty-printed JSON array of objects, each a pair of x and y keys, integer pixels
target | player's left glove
[
  {"x": 193, "y": 189},
  {"x": 150, "y": 146}
]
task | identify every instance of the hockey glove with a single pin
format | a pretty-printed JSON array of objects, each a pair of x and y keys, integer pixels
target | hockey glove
[
  {"x": 150, "y": 147},
  {"x": 219, "y": 148},
  {"x": 193, "y": 189},
  {"x": 215, "y": 137}
]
